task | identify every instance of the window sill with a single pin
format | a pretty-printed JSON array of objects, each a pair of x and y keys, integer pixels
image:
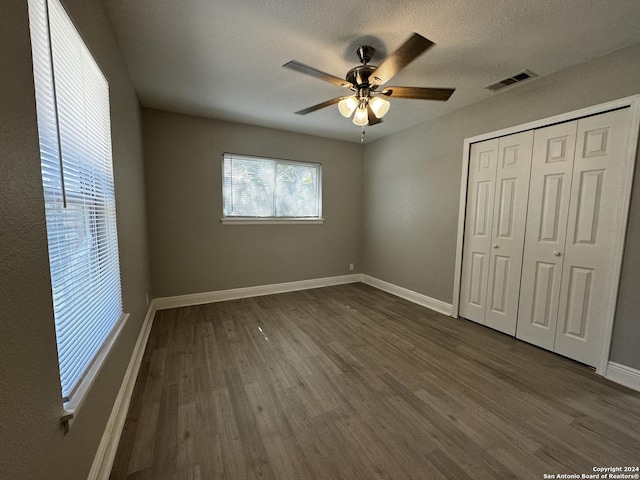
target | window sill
[
  {"x": 271, "y": 221},
  {"x": 72, "y": 407}
]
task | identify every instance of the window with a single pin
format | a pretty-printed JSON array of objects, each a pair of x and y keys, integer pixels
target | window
[
  {"x": 264, "y": 189},
  {"x": 72, "y": 97}
]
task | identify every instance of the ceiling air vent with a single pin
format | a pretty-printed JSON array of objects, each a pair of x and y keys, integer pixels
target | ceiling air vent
[{"x": 518, "y": 77}]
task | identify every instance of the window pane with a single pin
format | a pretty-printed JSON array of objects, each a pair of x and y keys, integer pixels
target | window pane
[
  {"x": 73, "y": 106},
  {"x": 296, "y": 190},
  {"x": 251, "y": 188}
]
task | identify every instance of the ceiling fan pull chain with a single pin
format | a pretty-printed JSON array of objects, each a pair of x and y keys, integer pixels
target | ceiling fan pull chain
[{"x": 362, "y": 136}]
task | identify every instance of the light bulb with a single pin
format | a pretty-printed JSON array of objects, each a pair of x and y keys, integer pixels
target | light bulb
[
  {"x": 380, "y": 106},
  {"x": 361, "y": 118},
  {"x": 347, "y": 105}
]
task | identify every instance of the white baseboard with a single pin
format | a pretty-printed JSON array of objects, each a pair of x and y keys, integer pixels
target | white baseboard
[
  {"x": 164, "y": 303},
  {"x": 627, "y": 376},
  {"x": 106, "y": 453},
  {"x": 233, "y": 294},
  {"x": 420, "y": 299}
]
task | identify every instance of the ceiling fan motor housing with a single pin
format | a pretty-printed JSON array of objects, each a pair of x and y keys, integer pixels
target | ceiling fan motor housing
[{"x": 359, "y": 76}]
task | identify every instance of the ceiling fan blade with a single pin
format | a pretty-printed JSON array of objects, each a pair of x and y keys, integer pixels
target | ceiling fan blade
[
  {"x": 373, "y": 120},
  {"x": 419, "y": 93},
  {"x": 319, "y": 106},
  {"x": 314, "y": 72},
  {"x": 403, "y": 56}
]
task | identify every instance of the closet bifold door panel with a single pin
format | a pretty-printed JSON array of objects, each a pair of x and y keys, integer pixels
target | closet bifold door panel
[
  {"x": 551, "y": 174},
  {"x": 507, "y": 239},
  {"x": 483, "y": 159},
  {"x": 498, "y": 188},
  {"x": 595, "y": 209}
]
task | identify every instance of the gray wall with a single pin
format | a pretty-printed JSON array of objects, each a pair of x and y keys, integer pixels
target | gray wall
[
  {"x": 412, "y": 185},
  {"x": 191, "y": 251},
  {"x": 32, "y": 443}
]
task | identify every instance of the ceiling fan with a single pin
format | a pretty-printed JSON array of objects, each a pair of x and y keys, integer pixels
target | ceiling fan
[{"x": 366, "y": 82}]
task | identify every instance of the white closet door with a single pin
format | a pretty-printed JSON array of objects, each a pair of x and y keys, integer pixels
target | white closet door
[
  {"x": 594, "y": 217},
  {"x": 551, "y": 172},
  {"x": 477, "y": 234},
  {"x": 509, "y": 219}
]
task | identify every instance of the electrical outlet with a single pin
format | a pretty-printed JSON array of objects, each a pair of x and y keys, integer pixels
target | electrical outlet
[{"x": 351, "y": 267}]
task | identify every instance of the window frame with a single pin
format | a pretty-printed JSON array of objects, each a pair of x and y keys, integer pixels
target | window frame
[
  {"x": 78, "y": 189},
  {"x": 270, "y": 220}
]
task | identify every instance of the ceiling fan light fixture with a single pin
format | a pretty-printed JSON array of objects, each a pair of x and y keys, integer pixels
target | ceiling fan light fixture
[
  {"x": 347, "y": 105},
  {"x": 361, "y": 118},
  {"x": 380, "y": 106}
]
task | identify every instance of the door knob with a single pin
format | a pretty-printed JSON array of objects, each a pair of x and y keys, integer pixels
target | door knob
[
  {"x": 495, "y": 245},
  {"x": 557, "y": 253}
]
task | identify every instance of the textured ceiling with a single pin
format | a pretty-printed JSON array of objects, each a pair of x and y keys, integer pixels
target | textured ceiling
[{"x": 223, "y": 58}]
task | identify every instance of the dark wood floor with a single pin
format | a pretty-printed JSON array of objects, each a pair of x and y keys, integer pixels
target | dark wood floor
[{"x": 351, "y": 383}]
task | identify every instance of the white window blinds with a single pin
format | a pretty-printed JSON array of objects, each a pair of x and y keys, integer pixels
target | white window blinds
[
  {"x": 255, "y": 187},
  {"x": 72, "y": 97}
]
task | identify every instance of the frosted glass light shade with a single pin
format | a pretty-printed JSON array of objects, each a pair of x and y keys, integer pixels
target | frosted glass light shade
[
  {"x": 347, "y": 105},
  {"x": 380, "y": 106},
  {"x": 361, "y": 118}
]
